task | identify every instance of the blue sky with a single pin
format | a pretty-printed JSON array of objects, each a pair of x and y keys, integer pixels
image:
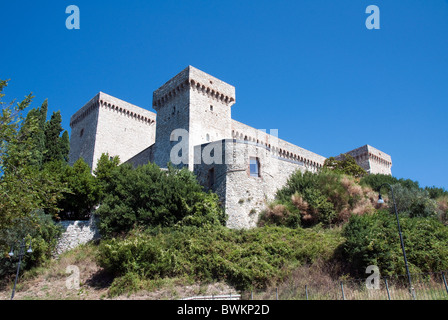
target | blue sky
[{"x": 309, "y": 68}]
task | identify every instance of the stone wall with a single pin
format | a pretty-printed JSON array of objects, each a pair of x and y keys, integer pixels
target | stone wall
[
  {"x": 244, "y": 196},
  {"x": 83, "y": 134},
  {"x": 281, "y": 148},
  {"x": 76, "y": 233},
  {"x": 143, "y": 157}
]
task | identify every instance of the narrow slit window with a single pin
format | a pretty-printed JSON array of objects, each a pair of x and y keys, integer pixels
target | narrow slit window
[
  {"x": 254, "y": 167},
  {"x": 211, "y": 177}
]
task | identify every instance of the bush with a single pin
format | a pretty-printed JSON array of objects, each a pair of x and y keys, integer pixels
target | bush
[
  {"x": 442, "y": 204},
  {"x": 436, "y": 193},
  {"x": 347, "y": 165},
  {"x": 39, "y": 230},
  {"x": 410, "y": 199},
  {"x": 148, "y": 196},
  {"x": 326, "y": 197},
  {"x": 412, "y": 202},
  {"x": 376, "y": 180},
  {"x": 244, "y": 258},
  {"x": 105, "y": 167},
  {"x": 373, "y": 240},
  {"x": 80, "y": 191},
  {"x": 83, "y": 194}
]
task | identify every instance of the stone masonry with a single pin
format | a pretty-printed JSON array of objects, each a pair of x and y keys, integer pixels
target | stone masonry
[
  {"x": 109, "y": 125},
  {"x": 193, "y": 127},
  {"x": 76, "y": 233}
]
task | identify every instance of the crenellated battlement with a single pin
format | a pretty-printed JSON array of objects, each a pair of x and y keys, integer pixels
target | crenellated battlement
[
  {"x": 103, "y": 100},
  {"x": 86, "y": 110},
  {"x": 371, "y": 159},
  {"x": 197, "y": 80},
  {"x": 277, "y": 147}
]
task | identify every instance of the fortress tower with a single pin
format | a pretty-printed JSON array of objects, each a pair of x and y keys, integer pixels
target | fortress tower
[
  {"x": 110, "y": 125},
  {"x": 196, "y": 103},
  {"x": 193, "y": 117},
  {"x": 371, "y": 159}
]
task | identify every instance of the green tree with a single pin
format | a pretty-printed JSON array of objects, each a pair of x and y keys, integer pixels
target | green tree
[
  {"x": 23, "y": 187},
  {"x": 38, "y": 229},
  {"x": 347, "y": 166},
  {"x": 39, "y": 138},
  {"x": 376, "y": 180},
  {"x": 435, "y": 192},
  {"x": 103, "y": 172},
  {"x": 148, "y": 196},
  {"x": 65, "y": 146},
  {"x": 33, "y": 128},
  {"x": 83, "y": 192},
  {"x": 53, "y": 129},
  {"x": 413, "y": 202}
]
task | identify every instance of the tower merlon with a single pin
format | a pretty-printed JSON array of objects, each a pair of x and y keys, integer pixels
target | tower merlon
[{"x": 103, "y": 99}]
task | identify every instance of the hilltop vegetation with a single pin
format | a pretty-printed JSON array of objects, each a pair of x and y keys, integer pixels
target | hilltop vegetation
[
  {"x": 245, "y": 259},
  {"x": 158, "y": 224}
]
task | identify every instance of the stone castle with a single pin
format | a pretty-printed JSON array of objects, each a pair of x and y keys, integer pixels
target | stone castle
[{"x": 193, "y": 127}]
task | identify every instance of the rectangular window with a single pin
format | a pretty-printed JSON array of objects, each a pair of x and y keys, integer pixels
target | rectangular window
[{"x": 254, "y": 167}]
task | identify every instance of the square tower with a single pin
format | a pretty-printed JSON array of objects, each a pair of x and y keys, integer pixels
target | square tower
[
  {"x": 372, "y": 160},
  {"x": 192, "y": 108},
  {"x": 109, "y": 125}
]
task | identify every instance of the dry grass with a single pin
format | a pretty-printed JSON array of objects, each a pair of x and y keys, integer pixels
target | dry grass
[
  {"x": 317, "y": 278},
  {"x": 322, "y": 281}
]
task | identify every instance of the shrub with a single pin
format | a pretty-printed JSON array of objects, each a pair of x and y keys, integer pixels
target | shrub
[
  {"x": 244, "y": 258},
  {"x": 436, "y": 193},
  {"x": 326, "y": 197},
  {"x": 80, "y": 193},
  {"x": 103, "y": 172},
  {"x": 129, "y": 283},
  {"x": 373, "y": 240},
  {"x": 347, "y": 165},
  {"x": 412, "y": 202},
  {"x": 39, "y": 230},
  {"x": 277, "y": 214},
  {"x": 148, "y": 196},
  {"x": 376, "y": 180},
  {"x": 442, "y": 204}
]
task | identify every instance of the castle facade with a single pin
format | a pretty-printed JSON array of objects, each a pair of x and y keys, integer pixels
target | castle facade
[{"x": 193, "y": 127}]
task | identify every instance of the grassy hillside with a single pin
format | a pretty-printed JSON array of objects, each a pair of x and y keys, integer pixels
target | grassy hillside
[{"x": 166, "y": 239}]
